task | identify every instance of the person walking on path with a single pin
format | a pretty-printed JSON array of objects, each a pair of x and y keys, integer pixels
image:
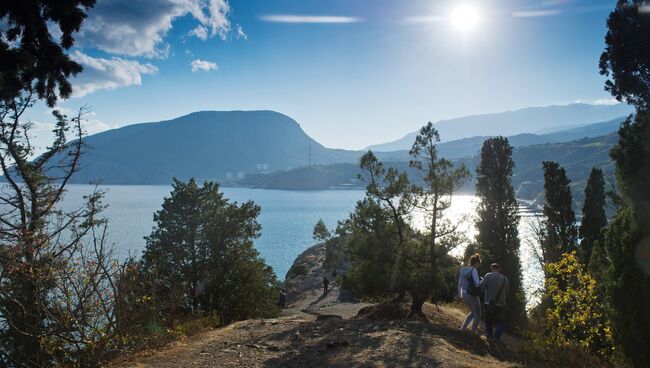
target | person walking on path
[
  {"x": 282, "y": 298},
  {"x": 326, "y": 284},
  {"x": 468, "y": 290},
  {"x": 495, "y": 286}
]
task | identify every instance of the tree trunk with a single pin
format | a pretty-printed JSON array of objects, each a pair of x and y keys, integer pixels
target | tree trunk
[{"x": 417, "y": 303}]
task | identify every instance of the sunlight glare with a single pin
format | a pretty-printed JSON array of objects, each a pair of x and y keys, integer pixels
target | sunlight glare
[{"x": 465, "y": 18}]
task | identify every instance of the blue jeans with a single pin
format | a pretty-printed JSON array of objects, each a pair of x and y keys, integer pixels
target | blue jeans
[{"x": 495, "y": 322}]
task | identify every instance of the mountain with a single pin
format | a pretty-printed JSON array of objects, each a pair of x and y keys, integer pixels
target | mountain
[
  {"x": 227, "y": 145},
  {"x": 532, "y": 119},
  {"x": 214, "y": 145},
  {"x": 577, "y": 157},
  {"x": 471, "y": 146}
]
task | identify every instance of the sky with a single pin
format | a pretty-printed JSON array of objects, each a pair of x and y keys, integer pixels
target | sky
[{"x": 351, "y": 72}]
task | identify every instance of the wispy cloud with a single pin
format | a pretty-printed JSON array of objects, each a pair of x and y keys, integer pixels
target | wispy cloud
[
  {"x": 205, "y": 65},
  {"x": 536, "y": 13},
  {"x": 424, "y": 19},
  {"x": 600, "y": 101},
  {"x": 292, "y": 18},
  {"x": 107, "y": 74},
  {"x": 239, "y": 32},
  {"x": 606, "y": 101}
]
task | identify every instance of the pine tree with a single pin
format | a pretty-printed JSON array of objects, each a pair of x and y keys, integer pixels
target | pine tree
[
  {"x": 558, "y": 232},
  {"x": 441, "y": 180},
  {"x": 628, "y": 243},
  {"x": 498, "y": 220},
  {"x": 201, "y": 237},
  {"x": 594, "y": 219}
]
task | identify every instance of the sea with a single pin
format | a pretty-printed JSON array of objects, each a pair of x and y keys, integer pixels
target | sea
[{"x": 287, "y": 219}]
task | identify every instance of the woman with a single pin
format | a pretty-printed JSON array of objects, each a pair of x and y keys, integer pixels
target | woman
[{"x": 466, "y": 276}]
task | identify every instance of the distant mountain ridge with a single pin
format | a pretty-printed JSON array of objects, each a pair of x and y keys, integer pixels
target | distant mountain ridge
[
  {"x": 228, "y": 145},
  {"x": 509, "y": 123}
]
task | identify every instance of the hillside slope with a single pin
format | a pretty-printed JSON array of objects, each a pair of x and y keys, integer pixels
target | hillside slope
[
  {"x": 528, "y": 120},
  {"x": 205, "y": 145},
  {"x": 577, "y": 157},
  {"x": 324, "y": 331}
]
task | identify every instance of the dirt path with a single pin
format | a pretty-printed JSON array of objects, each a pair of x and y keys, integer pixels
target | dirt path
[
  {"x": 305, "y": 291},
  {"x": 319, "y": 330}
]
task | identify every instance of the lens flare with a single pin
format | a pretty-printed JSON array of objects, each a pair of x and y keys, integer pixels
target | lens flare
[{"x": 465, "y": 18}]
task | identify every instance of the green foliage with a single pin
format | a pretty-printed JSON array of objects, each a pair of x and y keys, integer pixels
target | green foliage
[
  {"x": 558, "y": 232},
  {"x": 594, "y": 219},
  {"x": 498, "y": 220},
  {"x": 627, "y": 243},
  {"x": 440, "y": 180},
  {"x": 204, "y": 242},
  {"x": 298, "y": 270},
  {"x": 626, "y": 59},
  {"x": 320, "y": 232},
  {"x": 576, "y": 314},
  {"x": 32, "y": 60},
  {"x": 374, "y": 251},
  {"x": 387, "y": 254}
]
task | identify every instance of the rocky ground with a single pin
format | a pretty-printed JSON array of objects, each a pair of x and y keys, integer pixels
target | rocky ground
[{"x": 334, "y": 331}]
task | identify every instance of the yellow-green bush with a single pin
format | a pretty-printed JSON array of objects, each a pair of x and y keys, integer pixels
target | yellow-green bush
[{"x": 575, "y": 314}]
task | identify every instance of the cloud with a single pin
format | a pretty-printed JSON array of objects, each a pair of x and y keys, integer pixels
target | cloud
[
  {"x": 600, "y": 101},
  {"x": 199, "y": 64},
  {"x": 139, "y": 27},
  {"x": 536, "y": 13},
  {"x": 200, "y": 32},
  {"x": 239, "y": 31},
  {"x": 606, "y": 101},
  {"x": 424, "y": 19},
  {"x": 290, "y": 18},
  {"x": 107, "y": 73},
  {"x": 90, "y": 126}
]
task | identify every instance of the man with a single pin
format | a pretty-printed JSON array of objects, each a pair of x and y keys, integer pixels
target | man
[
  {"x": 326, "y": 284},
  {"x": 282, "y": 298},
  {"x": 495, "y": 287}
]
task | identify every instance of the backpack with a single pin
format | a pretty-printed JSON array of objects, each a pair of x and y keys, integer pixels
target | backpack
[{"x": 472, "y": 288}]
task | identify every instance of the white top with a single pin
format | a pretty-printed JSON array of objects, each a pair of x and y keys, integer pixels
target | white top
[{"x": 463, "y": 283}]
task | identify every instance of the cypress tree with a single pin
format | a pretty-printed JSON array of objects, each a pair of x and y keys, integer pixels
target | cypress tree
[
  {"x": 626, "y": 63},
  {"x": 594, "y": 219},
  {"x": 628, "y": 242},
  {"x": 558, "y": 232},
  {"x": 498, "y": 219}
]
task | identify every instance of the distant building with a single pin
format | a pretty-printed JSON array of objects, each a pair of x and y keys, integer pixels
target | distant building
[
  {"x": 229, "y": 176},
  {"x": 240, "y": 175}
]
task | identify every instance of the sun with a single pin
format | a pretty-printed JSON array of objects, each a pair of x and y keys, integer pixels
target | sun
[{"x": 465, "y": 18}]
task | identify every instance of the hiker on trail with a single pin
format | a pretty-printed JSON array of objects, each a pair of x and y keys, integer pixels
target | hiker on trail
[
  {"x": 282, "y": 298},
  {"x": 495, "y": 286},
  {"x": 326, "y": 284},
  {"x": 469, "y": 291}
]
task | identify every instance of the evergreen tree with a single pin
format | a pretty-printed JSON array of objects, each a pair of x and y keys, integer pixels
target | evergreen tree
[
  {"x": 626, "y": 60},
  {"x": 201, "y": 253},
  {"x": 498, "y": 220},
  {"x": 441, "y": 179},
  {"x": 594, "y": 219},
  {"x": 320, "y": 232},
  {"x": 378, "y": 229},
  {"x": 558, "y": 232},
  {"x": 34, "y": 61},
  {"x": 628, "y": 242}
]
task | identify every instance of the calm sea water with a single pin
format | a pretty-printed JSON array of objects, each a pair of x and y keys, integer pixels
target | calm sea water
[{"x": 287, "y": 219}]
